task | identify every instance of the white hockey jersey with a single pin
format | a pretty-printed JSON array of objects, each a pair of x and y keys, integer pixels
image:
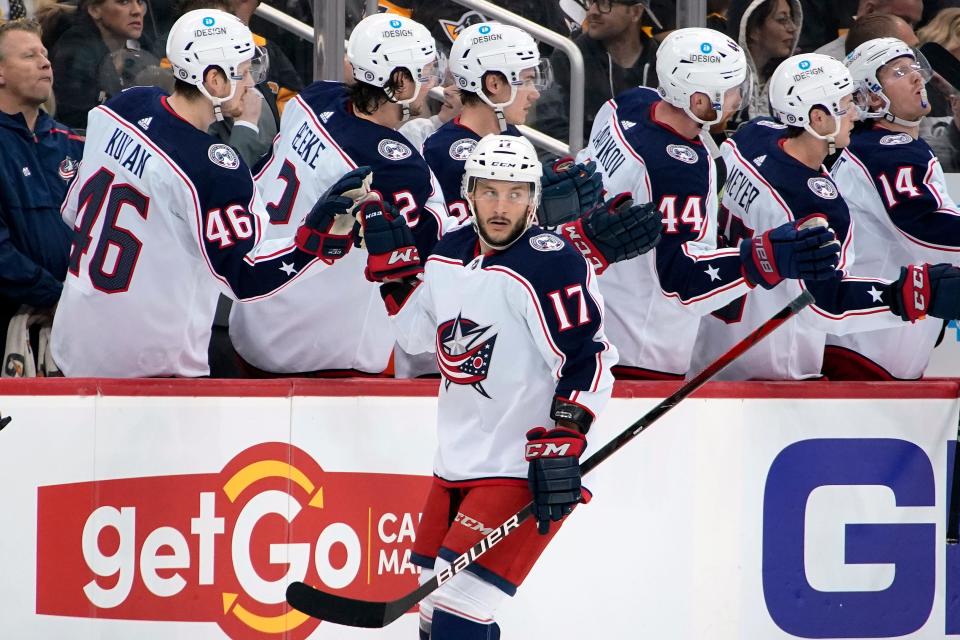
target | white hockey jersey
[
  {"x": 337, "y": 321},
  {"x": 655, "y": 301},
  {"x": 765, "y": 188},
  {"x": 894, "y": 186},
  {"x": 166, "y": 217},
  {"x": 511, "y": 330}
]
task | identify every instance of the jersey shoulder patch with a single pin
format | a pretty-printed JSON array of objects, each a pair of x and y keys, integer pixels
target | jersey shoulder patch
[
  {"x": 546, "y": 242},
  {"x": 462, "y": 148},
  {"x": 394, "y": 149},
  {"x": 683, "y": 153},
  {"x": 895, "y": 139},
  {"x": 224, "y": 156},
  {"x": 823, "y": 187}
]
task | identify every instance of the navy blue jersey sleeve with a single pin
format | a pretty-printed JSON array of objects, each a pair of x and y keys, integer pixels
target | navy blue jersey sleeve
[
  {"x": 565, "y": 317},
  {"x": 230, "y": 229}
]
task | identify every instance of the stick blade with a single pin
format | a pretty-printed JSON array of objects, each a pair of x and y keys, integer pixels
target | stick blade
[{"x": 337, "y": 609}]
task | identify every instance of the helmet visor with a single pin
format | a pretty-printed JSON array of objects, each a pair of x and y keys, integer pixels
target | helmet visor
[
  {"x": 905, "y": 67},
  {"x": 539, "y": 77},
  {"x": 260, "y": 65}
]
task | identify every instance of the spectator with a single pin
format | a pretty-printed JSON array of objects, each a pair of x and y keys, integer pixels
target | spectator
[
  {"x": 17, "y": 9},
  {"x": 877, "y": 25},
  {"x": 39, "y": 158},
  {"x": 908, "y": 10},
  {"x": 99, "y": 56},
  {"x": 942, "y": 128},
  {"x": 617, "y": 55},
  {"x": 768, "y": 31},
  {"x": 824, "y": 20}
]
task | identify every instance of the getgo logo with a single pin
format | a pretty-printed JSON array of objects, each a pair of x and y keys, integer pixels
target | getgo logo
[
  {"x": 222, "y": 547},
  {"x": 850, "y": 540}
]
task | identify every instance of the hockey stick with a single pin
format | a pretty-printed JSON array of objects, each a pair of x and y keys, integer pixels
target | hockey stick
[
  {"x": 953, "y": 512},
  {"x": 943, "y": 62},
  {"x": 365, "y": 613}
]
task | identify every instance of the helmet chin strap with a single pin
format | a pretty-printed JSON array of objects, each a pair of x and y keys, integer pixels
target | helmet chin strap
[
  {"x": 498, "y": 107},
  {"x": 889, "y": 117},
  {"x": 404, "y": 104},
  {"x": 831, "y": 138},
  {"x": 218, "y": 102}
]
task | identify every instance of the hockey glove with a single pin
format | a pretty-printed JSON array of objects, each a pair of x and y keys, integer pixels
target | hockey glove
[
  {"x": 392, "y": 252},
  {"x": 925, "y": 290},
  {"x": 805, "y": 249},
  {"x": 554, "y": 472},
  {"x": 568, "y": 191},
  {"x": 327, "y": 230},
  {"x": 615, "y": 230}
]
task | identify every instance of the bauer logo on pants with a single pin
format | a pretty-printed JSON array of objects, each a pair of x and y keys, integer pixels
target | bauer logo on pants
[{"x": 222, "y": 546}]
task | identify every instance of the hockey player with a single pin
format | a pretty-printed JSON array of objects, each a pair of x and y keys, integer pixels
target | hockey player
[
  {"x": 165, "y": 217},
  {"x": 500, "y": 73},
  {"x": 647, "y": 143},
  {"x": 516, "y": 321},
  {"x": 326, "y": 131},
  {"x": 894, "y": 186}
]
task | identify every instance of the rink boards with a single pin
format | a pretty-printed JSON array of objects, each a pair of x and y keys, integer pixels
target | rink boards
[{"x": 181, "y": 509}]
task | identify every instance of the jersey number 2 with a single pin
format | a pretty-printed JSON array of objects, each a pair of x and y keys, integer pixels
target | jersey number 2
[{"x": 115, "y": 257}]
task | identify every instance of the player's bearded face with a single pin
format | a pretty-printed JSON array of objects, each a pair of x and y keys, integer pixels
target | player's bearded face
[{"x": 502, "y": 209}]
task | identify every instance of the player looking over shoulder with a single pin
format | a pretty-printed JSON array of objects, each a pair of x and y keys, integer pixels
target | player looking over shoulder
[
  {"x": 894, "y": 186},
  {"x": 166, "y": 217},
  {"x": 775, "y": 175},
  {"x": 647, "y": 143},
  {"x": 327, "y": 130},
  {"x": 515, "y": 319}
]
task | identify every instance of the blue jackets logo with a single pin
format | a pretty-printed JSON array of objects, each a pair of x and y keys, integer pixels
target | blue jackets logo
[
  {"x": 393, "y": 150},
  {"x": 464, "y": 352}
]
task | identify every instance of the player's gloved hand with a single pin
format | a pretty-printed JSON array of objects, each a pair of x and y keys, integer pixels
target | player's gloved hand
[
  {"x": 615, "y": 230},
  {"x": 806, "y": 249},
  {"x": 392, "y": 252},
  {"x": 925, "y": 290},
  {"x": 327, "y": 229},
  {"x": 554, "y": 472},
  {"x": 568, "y": 191}
]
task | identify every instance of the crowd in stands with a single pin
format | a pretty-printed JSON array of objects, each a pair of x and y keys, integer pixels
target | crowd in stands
[{"x": 58, "y": 60}]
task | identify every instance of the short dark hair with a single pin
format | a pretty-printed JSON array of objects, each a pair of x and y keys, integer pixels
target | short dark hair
[
  {"x": 30, "y": 26},
  {"x": 875, "y": 25},
  {"x": 191, "y": 91},
  {"x": 471, "y": 97},
  {"x": 367, "y": 98}
]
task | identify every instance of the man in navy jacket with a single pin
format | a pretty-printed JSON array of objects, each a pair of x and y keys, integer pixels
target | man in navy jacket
[{"x": 38, "y": 160}]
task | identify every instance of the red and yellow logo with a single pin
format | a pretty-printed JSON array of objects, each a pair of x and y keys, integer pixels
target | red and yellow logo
[{"x": 222, "y": 547}]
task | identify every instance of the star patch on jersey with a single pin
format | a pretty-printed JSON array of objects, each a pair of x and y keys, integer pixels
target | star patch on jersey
[
  {"x": 546, "y": 242},
  {"x": 393, "y": 150},
  {"x": 896, "y": 138},
  {"x": 462, "y": 148},
  {"x": 223, "y": 155},
  {"x": 683, "y": 153},
  {"x": 464, "y": 353},
  {"x": 67, "y": 169},
  {"x": 822, "y": 187}
]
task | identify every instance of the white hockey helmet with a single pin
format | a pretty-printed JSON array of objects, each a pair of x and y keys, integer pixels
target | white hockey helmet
[
  {"x": 810, "y": 80},
  {"x": 384, "y": 42},
  {"x": 864, "y": 64},
  {"x": 698, "y": 60},
  {"x": 491, "y": 46},
  {"x": 507, "y": 158},
  {"x": 207, "y": 38}
]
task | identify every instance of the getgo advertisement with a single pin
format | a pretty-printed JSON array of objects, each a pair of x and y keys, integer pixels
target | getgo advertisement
[{"x": 221, "y": 547}]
